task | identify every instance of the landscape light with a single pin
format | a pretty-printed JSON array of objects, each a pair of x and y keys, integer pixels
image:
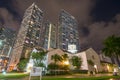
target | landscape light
[
  {"x": 108, "y": 67},
  {"x": 29, "y": 67},
  {"x": 66, "y": 62}
]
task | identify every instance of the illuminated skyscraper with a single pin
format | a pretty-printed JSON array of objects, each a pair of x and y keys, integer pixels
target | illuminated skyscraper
[
  {"x": 29, "y": 35},
  {"x": 50, "y": 36},
  {"x": 68, "y": 33},
  {"x": 7, "y": 38}
]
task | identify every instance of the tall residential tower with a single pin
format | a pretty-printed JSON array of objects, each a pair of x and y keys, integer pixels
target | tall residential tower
[
  {"x": 7, "y": 38},
  {"x": 68, "y": 33},
  {"x": 50, "y": 36},
  {"x": 29, "y": 34}
]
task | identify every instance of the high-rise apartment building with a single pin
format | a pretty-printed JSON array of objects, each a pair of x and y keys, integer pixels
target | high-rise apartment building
[
  {"x": 50, "y": 36},
  {"x": 68, "y": 33},
  {"x": 7, "y": 38},
  {"x": 29, "y": 35},
  {"x": 33, "y": 34}
]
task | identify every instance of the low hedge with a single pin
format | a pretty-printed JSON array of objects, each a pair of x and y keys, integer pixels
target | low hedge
[{"x": 80, "y": 71}]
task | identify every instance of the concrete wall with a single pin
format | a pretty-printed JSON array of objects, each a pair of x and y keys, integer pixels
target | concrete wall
[
  {"x": 84, "y": 65},
  {"x": 89, "y": 54},
  {"x": 52, "y": 52},
  {"x": 94, "y": 57}
]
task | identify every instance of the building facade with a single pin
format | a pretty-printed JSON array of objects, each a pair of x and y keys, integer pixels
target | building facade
[
  {"x": 7, "y": 38},
  {"x": 68, "y": 33},
  {"x": 90, "y": 60},
  {"x": 33, "y": 33},
  {"x": 29, "y": 35},
  {"x": 50, "y": 36}
]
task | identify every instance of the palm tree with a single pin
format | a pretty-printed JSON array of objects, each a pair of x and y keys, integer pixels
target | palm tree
[
  {"x": 76, "y": 61},
  {"x": 117, "y": 49},
  {"x": 112, "y": 47},
  {"x": 1, "y": 29},
  {"x": 65, "y": 61},
  {"x": 39, "y": 57},
  {"x": 65, "y": 57},
  {"x": 56, "y": 59}
]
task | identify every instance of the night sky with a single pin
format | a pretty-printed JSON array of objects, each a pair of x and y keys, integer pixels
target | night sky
[{"x": 97, "y": 19}]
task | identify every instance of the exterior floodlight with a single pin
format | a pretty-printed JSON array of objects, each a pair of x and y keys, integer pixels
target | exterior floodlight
[
  {"x": 72, "y": 48},
  {"x": 29, "y": 67},
  {"x": 0, "y": 42},
  {"x": 66, "y": 62},
  {"x": 4, "y": 73}
]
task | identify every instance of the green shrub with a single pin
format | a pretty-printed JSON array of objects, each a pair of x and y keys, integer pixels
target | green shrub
[
  {"x": 79, "y": 71},
  {"x": 22, "y": 64},
  {"x": 58, "y": 72}
]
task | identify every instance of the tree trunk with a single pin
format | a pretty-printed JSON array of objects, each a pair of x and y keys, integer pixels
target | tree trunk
[
  {"x": 112, "y": 59},
  {"x": 117, "y": 59}
]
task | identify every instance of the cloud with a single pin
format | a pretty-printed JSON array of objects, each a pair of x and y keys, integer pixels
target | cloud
[
  {"x": 99, "y": 31},
  {"x": 8, "y": 19},
  {"x": 92, "y": 33},
  {"x": 78, "y": 8}
]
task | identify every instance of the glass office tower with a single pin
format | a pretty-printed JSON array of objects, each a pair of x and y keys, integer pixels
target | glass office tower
[
  {"x": 29, "y": 35},
  {"x": 68, "y": 33}
]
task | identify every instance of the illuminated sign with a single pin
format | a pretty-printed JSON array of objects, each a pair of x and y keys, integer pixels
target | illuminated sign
[{"x": 36, "y": 71}]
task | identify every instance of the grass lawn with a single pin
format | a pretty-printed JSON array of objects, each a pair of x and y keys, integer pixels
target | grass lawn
[
  {"x": 12, "y": 75},
  {"x": 22, "y": 75},
  {"x": 86, "y": 78}
]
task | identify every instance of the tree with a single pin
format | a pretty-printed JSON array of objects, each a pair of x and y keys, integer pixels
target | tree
[
  {"x": 56, "y": 58},
  {"x": 22, "y": 64},
  {"x": 76, "y": 61},
  {"x": 52, "y": 66},
  {"x": 39, "y": 57},
  {"x": 65, "y": 61},
  {"x": 112, "y": 47},
  {"x": 1, "y": 29},
  {"x": 90, "y": 62},
  {"x": 65, "y": 57}
]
